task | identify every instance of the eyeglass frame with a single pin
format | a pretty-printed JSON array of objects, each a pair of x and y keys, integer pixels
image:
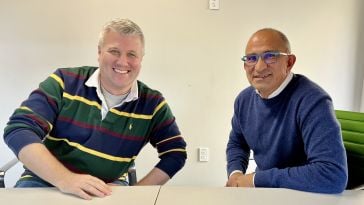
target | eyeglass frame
[{"x": 275, "y": 53}]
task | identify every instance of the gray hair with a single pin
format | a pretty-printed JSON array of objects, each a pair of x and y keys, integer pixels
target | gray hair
[{"x": 123, "y": 27}]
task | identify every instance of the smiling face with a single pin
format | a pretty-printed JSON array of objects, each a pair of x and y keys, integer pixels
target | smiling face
[
  {"x": 266, "y": 78},
  {"x": 120, "y": 58}
]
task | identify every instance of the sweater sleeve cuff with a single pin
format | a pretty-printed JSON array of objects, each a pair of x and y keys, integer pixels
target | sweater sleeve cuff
[
  {"x": 171, "y": 165},
  {"x": 262, "y": 179}
]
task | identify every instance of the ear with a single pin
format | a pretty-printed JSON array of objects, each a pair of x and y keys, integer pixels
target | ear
[
  {"x": 98, "y": 50},
  {"x": 291, "y": 61}
]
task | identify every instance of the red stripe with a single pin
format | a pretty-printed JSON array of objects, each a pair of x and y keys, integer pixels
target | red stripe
[
  {"x": 42, "y": 123},
  {"x": 100, "y": 129},
  {"x": 165, "y": 123},
  {"x": 49, "y": 99},
  {"x": 151, "y": 96},
  {"x": 71, "y": 74}
]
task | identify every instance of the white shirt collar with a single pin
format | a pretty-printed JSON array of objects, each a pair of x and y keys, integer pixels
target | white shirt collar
[
  {"x": 93, "y": 81},
  {"x": 280, "y": 88}
]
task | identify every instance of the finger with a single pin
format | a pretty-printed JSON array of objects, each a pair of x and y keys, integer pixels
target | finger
[
  {"x": 83, "y": 195},
  {"x": 100, "y": 185},
  {"x": 229, "y": 184},
  {"x": 104, "y": 188},
  {"x": 94, "y": 191}
]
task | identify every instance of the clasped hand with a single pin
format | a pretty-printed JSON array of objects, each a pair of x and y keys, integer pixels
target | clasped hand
[{"x": 240, "y": 180}]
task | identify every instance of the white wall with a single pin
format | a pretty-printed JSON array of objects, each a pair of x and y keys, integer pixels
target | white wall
[{"x": 192, "y": 57}]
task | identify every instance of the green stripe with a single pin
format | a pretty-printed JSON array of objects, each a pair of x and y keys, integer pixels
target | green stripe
[{"x": 87, "y": 163}]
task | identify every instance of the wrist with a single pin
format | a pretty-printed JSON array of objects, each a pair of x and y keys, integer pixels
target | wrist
[{"x": 234, "y": 172}]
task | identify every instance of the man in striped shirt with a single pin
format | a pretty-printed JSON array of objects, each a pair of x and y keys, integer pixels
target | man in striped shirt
[{"x": 83, "y": 127}]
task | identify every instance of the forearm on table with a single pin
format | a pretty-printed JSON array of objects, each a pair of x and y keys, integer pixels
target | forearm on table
[
  {"x": 155, "y": 177},
  {"x": 37, "y": 158},
  {"x": 315, "y": 177}
]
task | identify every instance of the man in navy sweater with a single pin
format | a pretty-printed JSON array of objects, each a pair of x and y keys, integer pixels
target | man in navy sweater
[{"x": 287, "y": 121}]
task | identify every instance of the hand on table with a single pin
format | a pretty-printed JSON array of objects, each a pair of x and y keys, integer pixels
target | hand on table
[
  {"x": 84, "y": 186},
  {"x": 240, "y": 180}
]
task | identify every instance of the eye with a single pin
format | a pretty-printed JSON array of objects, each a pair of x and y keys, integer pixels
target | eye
[
  {"x": 251, "y": 58},
  {"x": 132, "y": 55},
  {"x": 114, "y": 52},
  {"x": 270, "y": 55}
]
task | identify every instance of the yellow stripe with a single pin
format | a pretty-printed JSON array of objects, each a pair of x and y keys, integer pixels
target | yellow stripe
[
  {"x": 159, "y": 107},
  {"x": 50, "y": 125},
  {"x": 172, "y": 150},
  {"x": 169, "y": 139},
  {"x": 138, "y": 116},
  {"x": 133, "y": 115},
  {"x": 28, "y": 109},
  {"x": 82, "y": 99},
  {"x": 123, "y": 177},
  {"x": 91, "y": 151},
  {"x": 58, "y": 79},
  {"x": 26, "y": 176}
]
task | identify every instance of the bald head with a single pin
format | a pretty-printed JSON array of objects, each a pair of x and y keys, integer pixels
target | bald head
[{"x": 268, "y": 36}]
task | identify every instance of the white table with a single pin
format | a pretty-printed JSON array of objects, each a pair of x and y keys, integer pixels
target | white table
[
  {"x": 138, "y": 195},
  {"x": 252, "y": 196},
  {"x": 168, "y": 195}
]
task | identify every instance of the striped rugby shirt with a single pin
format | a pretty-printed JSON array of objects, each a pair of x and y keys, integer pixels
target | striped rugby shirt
[{"x": 65, "y": 115}]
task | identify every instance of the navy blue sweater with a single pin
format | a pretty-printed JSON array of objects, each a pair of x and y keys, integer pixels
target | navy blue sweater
[{"x": 295, "y": 137}]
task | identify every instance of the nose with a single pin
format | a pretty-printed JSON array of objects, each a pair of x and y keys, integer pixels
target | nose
[
  {"x": 261, "y": 65},
  {"x": 122, "y": 61}
]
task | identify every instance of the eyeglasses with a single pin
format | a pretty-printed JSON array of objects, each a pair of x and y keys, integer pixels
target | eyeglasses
[{"x": 269, "y": 57}]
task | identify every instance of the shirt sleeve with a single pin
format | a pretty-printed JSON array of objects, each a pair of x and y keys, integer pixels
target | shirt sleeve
[
  {"x": 168, "y": 141},
  {"x": 32, "y": 121}
]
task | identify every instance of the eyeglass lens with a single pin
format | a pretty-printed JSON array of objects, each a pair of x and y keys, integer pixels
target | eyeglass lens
[{"x": 268, "y": 57}]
